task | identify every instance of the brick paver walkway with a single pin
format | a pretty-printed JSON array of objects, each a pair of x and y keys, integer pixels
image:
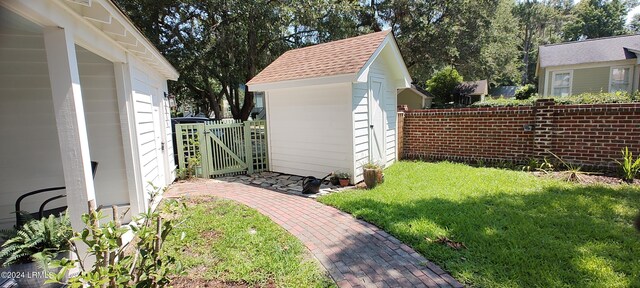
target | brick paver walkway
[{"x": 354, "y": 252}]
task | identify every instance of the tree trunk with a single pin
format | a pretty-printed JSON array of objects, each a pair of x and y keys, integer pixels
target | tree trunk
[
  {"x": 252, "y": 70},
  {"x": 215, "y": 105},
  {"x": 525, "y": 57},
  {"x": 247, "y": 106}
]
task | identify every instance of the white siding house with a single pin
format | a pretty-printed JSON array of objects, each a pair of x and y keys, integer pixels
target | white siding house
[
  {"x": 80, "y": 83},
  {"x": 332, "y": 106}
]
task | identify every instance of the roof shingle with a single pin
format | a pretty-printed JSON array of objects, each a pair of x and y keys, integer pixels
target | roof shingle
[
  {"x": 328, "y": 59},
  {"x": 589, "y": 51}
]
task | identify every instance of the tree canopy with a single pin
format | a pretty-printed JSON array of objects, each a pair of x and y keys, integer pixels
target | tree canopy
[
  {"x": 443, "y": 84},
  {"x": 598, "y": 18},
  {"x": 218, "y": 45}
]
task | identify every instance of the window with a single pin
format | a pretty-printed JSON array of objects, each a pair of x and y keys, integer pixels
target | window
[
  {"x": 620, "y": 79},
  {"x": 561, "y": 83}
]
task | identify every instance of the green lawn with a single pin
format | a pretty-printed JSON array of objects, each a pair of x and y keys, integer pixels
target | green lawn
[
  {"x": 520, "y": 230},
  {"x": 228, "y": 244}
]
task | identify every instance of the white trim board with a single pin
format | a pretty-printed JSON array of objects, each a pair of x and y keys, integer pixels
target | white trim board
[
  {"x": 591, "y": 65},
  {"x": 334, "y": 79}
]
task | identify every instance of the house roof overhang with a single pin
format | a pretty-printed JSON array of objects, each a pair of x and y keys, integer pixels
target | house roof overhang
[
  {"x": 636, "y": 52},
  {"x": 415, "y": 91},
  {"x": 96, "y": 16}
]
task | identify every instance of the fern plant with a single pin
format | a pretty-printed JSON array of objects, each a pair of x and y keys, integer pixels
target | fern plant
[
  {"x": 573, "y": 171},
  {"x": 37, "y": 240},
  {"x": 630, "y": 168}
]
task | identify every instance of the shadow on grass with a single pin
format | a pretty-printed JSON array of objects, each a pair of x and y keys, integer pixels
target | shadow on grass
[{"x": 579, "y": 236}]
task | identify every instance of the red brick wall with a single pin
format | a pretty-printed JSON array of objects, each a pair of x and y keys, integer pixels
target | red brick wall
[
  {"x": 595, "y": 134},
  {"x": 591, "y": 135}
]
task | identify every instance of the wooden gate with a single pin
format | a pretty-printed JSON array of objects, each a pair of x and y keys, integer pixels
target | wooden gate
[{"x": 217, "y": 148}]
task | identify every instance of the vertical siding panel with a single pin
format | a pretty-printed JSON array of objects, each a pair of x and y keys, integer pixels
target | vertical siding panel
[
  {"x": 31, "y": 151},
  {"x": 310, "y": 129}
]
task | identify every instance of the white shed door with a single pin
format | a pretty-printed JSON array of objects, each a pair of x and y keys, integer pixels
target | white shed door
[
  {"x": 158, "y": 135},
  {"x": 376, "y": 121}
]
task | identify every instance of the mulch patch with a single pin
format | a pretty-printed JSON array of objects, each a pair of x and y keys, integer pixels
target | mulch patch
[
  {"x": 188, "y": 282},
  {"x": 587, "y": 178}
]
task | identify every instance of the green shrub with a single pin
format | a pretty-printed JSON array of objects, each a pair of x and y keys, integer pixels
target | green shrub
[
  {"x": 504, "y": 102},
  {"x": 584, "y": 98},
  {"x": 139, "y": 263},
  {"x": 525, "y": 92},
  {"x": 443, "y": 84},
  {"x": 38, "y": 239},
  {"x": 597, "y": 98},
  {"x": 628, "y": 165}
]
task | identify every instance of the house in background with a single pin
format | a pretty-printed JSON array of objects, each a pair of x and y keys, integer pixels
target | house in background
[
  {"x": 596, "y": 65},
  {"x": 415, "y": 97},
  {"x": 332, "y": 106},
  {"x": 258, "y": 112},
  {"x": 80, "y": 83},
  {"x": 472, "y": 91},
  {"x": 503, "y": 92}
]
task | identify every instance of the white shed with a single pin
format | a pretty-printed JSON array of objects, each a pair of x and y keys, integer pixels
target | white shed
[
  {"x": 79, "y": 84},
  {"x": 332, "y": 106}
]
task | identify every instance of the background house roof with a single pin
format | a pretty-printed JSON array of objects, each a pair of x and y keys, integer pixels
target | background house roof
[
  {"x": 504, "y": 91},
  {"x": 328, "y": 59},
  {"x": 418, "y": 91},
  {"x": 589, "y": 51},
  {"x": 473, "y": 88}
]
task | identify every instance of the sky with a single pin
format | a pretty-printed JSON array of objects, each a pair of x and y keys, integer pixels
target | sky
[{"x": 632, "y": 12}]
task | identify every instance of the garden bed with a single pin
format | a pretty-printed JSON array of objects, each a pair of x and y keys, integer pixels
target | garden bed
[{"x": 587, "y": 178}]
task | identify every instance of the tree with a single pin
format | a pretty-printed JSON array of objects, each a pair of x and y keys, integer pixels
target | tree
[
  {"x": 539, "y": 22},
  {"x": 218, "y": 45},
  {"x": 498, "y": 61},
  {"x": 598, "y": 18},
  {"x": 443, "y": 84},
  {"x": 634, "y": 24},
  {"x": 477, "y": 37}
]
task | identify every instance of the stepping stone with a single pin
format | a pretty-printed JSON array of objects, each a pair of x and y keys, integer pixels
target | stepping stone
[
  {"x": 295, "y": 178},
  {"x": 286, "y": 182}
]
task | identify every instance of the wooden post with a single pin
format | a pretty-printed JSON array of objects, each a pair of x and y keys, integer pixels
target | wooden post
[
  {"x": 70, "y": 122},
  {"x": 204, "y": 154},
  {"x": 180, "y": 146},
  {"x": 248, "y": 151},
  {"x": 129, "y": 139}
]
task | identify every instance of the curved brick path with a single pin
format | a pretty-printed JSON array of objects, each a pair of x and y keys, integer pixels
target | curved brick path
[{"x": 354, "y": 252}]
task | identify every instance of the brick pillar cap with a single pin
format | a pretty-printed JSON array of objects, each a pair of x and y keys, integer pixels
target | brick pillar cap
[{"x": 403, "y": 108}]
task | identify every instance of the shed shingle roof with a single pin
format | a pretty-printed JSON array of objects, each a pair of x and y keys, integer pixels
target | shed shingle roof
[
  {"x": 328, "y": 59},
  {"x": 589, "y": 51}
]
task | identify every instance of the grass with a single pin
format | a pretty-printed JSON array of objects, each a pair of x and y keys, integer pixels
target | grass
[
  {"x": 519, "y": 230},
  {"x": 234, "y": 245}
]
